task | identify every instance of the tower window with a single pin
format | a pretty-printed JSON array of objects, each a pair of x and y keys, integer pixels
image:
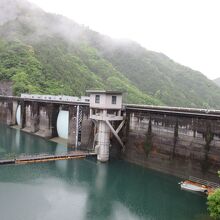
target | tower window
[
  {"x": 97, "y": 98},
  {"x": 114, "y": 98}
]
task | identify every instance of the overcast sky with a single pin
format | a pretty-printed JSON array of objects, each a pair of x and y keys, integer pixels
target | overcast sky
[{"x": 188, "y": 31}]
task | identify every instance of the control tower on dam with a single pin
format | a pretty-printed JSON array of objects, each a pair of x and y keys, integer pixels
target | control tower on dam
[{"x": 105, "y": 109}]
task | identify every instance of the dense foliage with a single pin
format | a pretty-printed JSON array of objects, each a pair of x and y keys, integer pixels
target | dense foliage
[
  {"x": 162, "y": 78},
  {"x": 214, "y": 204},
  {"x": 47, "y": 53}
]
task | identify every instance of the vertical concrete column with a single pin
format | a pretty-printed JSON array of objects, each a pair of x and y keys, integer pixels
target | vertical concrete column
[
  {"x": 72, "y": 126},
  {"x": 9, "y": 111},
  {"x": 23, "y": 113},
  {"x": 1, "y": 111},
  {"x": 15, "y": 105},
  {"x": 53, "y": 111},
  {"x": 175, "y": 137},
  {"x": 43, "y": 121},
  {"x": 34, "y": 117},
  {"x": 87, "y": 129},
  {"x": 102, "y": 146},
  {"x": 126, "y": 127},
  {"x": 28, "y": 117},
  {"x": 4, "y": 111},
  {"x": 47, "y": 120}
]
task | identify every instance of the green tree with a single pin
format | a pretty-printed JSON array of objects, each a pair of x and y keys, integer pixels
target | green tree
[
  {"x": 21, "y": 84},
  {"x": 214, "y": 203}
]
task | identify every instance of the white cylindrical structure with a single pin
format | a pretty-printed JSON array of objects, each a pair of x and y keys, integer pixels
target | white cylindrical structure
[
  {"x": 63, "y": 124},
  {"x": 18, "y": 115},
  {"x": 103, "y": 140}
]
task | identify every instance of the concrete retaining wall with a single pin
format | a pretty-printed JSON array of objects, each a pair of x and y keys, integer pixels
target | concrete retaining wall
[{"x": 181, "y": 146}]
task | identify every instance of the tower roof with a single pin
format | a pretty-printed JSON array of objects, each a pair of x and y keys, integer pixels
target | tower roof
[{"x": 104, "y": 92}]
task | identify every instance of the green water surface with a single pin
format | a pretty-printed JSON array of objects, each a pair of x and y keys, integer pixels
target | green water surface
[
  {"x": 87, "y": 189},
  {"x": 14, "y": 143}
]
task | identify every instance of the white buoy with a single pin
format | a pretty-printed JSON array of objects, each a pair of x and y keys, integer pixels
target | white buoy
[{"x": 63, "y": 124}]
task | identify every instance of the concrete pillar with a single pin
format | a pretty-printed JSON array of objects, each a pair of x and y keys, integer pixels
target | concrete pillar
[
  {"x": 8, "y": 109},
  {"x": 27, "y": 126},
  {"x": 9, "y": 112},
  {"x": 87, "y": 129},
  {"x": 15, "y": 105},
  {"x": 103, "y": 142},
  {"x": 72, "y": 126},
  {"x": 34, "y": 117},
  {"x": 43, "y": 122},
  {"x": 53, "y": 111},
  {"x": 23, "y": 113},
  {"x": 3, "y": 111},
  {"x": 47, "y": 120}
]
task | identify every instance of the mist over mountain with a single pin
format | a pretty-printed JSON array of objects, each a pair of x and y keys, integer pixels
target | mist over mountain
[
  {"x": 217, "y": 81},
  {"x": 48, "y": 53}
]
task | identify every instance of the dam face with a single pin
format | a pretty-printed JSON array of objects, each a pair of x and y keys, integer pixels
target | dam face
[{"x": 178, "y": 141}]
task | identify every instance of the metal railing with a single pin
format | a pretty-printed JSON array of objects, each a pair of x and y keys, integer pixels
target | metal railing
[
  {"x": 204, "y": 182},
  {"x": 13, "y": 156}
]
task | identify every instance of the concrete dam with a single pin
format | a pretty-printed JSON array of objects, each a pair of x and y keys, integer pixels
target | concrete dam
[{"x": 178, "y": 141}]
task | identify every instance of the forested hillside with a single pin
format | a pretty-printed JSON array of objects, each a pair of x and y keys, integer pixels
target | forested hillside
[{"x": 50, "y": 54}]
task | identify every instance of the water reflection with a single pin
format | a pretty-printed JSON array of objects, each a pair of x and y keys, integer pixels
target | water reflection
[
  {"x": 84, "y": 189},
  {"x": 14, "y": 142}
]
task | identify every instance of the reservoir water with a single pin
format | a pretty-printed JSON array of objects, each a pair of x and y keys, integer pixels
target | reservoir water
[
  {"x": 13, "y": 143},
  {"x": 87, "y": 189}
]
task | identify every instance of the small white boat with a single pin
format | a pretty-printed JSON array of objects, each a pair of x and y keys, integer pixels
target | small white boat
[{"x": 191, "y": 186}]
